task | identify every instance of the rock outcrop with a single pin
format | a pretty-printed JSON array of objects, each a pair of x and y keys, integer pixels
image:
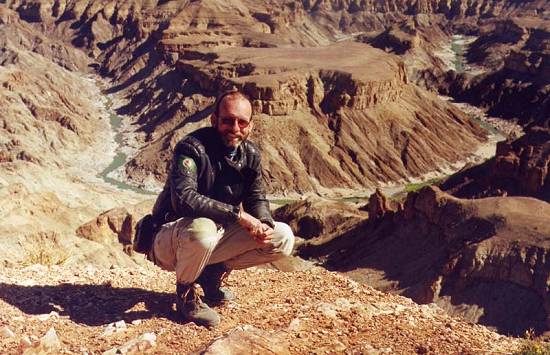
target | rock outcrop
[
  {"x": 39, "y": 228},
  {"x": 316, "y": 219},
  {"x": 475, "y": 258},
  {"x": 520, "y": 168},
  {"x": 116, "y": 226}
]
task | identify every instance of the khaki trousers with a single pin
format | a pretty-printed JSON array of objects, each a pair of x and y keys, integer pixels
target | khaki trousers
[{"x": 187, "y": 245}]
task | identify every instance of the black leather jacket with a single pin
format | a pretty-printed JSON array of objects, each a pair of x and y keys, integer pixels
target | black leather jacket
[{"x": 216, "y": 186}]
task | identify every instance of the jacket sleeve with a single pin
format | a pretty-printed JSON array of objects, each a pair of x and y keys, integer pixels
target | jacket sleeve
[
  {"x": 186, "y": 200},
  {"x": 255, "y": 201}
]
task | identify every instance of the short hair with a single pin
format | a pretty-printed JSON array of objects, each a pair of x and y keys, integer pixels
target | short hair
[{"x": 234, "y": 94}]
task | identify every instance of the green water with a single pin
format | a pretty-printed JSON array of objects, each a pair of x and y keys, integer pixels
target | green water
[
  {"x": 458, "y": 49},
  {"x": 487, "y": 126},
  {"x": 119, "y": 159}
]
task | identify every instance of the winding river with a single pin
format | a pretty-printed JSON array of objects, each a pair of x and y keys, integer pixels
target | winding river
[
  {"x": 120, "y": 157},
  {"x": 453, "y": 55}
]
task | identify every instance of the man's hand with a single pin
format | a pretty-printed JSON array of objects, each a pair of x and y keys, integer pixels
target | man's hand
[
  {"x": 264, "y": 235},
  {"x": 261, "y": 232}
]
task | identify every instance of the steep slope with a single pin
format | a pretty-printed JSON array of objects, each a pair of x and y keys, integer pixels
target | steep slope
[
  {"x": 475, "y": 258},
  {"x": 170, "y": 59},
  {"x": 518, "y": 52},
  {"x": 54, "y": 140},
  {"x": 520, "y": 168}
]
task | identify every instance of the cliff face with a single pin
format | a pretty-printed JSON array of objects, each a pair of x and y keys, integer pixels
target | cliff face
[
  {"x": 365, "y": 15},
  {"x": 517, "y": 52},
  {"x": 520, "y": 167},
  {"x": 475, "y": 258},
  {"x": 171, "y": 59},
  {"x": 301, "y": 78}
]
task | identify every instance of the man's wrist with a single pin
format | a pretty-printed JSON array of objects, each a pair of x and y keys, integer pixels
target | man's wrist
[
  {"x": 268, "y": 221},
  {"x": 236, "y": 212}
]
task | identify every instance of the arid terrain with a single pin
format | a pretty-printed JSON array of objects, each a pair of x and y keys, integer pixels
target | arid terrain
[
  {"x": 275, "y": 312},
  {"x": 347, "y": 98},
  {"x": 475, "y": 258}
]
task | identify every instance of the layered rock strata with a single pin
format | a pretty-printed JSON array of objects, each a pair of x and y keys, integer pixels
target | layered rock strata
[
  {"x": 475, "y": 258},
  {"x": 347, "y": 121},
  {"x": 54, "y": 136},
  {"x": 520, "y": 167},
  {"x": 335, "y": 99},
  {"x": 302, "y": 78},
  {"x": 365, "y": 12},
  {"x": 519, "y": 52}
]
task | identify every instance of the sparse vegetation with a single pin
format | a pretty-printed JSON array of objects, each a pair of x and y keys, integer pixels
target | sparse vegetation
[
  {"x": 533, "y": 346},
  {"x": 400, "y": 196},
  {"x": 42, "y": 256},
  {"x": 282, "y": 201},
  {"x": 44, "y": 251},
  {"x": 417, "y": 186}
]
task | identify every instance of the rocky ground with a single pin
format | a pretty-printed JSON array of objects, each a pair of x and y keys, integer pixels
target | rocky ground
[
  {"x": 327, "y": 125},
  {"x": 311, "y": 311}
]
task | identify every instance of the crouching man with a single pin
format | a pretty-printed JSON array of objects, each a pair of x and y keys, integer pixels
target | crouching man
[{"x": 204, "y": 233}]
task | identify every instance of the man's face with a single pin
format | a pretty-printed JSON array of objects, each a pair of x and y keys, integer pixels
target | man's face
[{"x": 234, "y": 120}]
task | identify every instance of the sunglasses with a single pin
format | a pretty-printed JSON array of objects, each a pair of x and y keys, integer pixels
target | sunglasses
[{"x": 241, "y": 122}]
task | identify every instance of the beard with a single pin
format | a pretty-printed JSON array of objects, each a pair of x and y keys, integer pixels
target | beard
[{"x": 233, "y": 140}]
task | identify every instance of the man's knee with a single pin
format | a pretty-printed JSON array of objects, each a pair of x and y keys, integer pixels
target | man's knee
[
  {"x": 283, "y": 239},
  {"x": 201, "y": 232}
]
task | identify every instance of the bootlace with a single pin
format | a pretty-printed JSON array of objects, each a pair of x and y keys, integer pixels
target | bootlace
[
  {"x": 223, "y": 278},
  {"x": 192, "y": 296}
]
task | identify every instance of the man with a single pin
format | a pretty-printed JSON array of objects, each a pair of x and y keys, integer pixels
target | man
[{"x": 205, "y": 233}]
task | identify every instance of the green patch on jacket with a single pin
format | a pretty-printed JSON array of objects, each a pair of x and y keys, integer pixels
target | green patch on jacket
[{"x": 187, "y": 165}]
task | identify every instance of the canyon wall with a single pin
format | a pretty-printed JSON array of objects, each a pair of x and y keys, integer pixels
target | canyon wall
[
  {"x": 474, "y": 258},
  {"x": 520, "y": 167},
  {"x": 360, "y": 119}
]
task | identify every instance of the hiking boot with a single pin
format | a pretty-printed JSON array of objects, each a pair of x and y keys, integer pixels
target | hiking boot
[
  {"x": 192, "y": 308},
  {"x": 211, "y": 283}
]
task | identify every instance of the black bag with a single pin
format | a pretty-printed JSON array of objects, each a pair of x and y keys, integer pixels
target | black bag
[{"x": 146, "y": 229}]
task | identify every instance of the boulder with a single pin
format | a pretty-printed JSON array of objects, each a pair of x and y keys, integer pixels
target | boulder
[{"x": 248, "y": 339}]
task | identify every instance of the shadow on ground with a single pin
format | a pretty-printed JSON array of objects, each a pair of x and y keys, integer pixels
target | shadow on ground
[{"x": 90, "y": 304}]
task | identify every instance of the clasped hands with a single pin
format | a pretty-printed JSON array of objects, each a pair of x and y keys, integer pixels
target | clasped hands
[{"x": 261, "y": 232}]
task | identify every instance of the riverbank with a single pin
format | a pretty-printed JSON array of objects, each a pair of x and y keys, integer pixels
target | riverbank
[{"x": 453, "y": 55}]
